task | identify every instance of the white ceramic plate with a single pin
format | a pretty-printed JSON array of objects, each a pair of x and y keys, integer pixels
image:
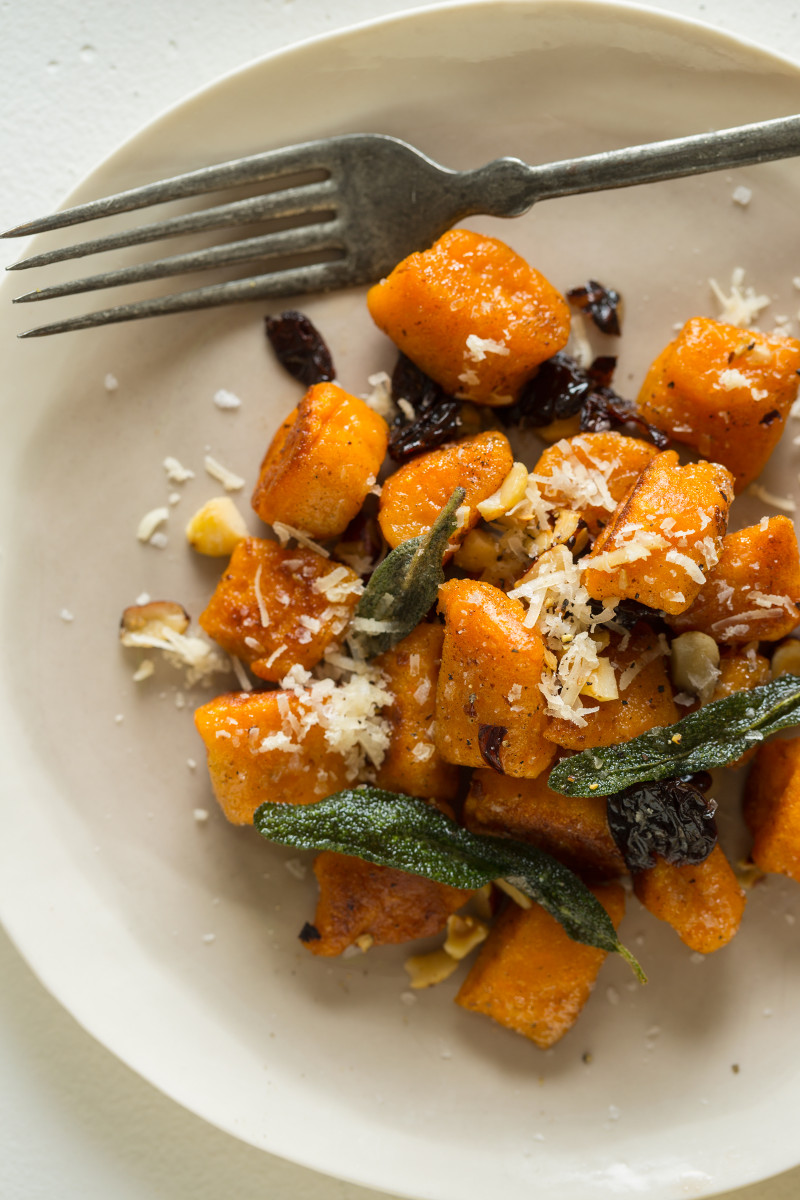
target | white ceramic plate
[{"x": 109, "y": 886}]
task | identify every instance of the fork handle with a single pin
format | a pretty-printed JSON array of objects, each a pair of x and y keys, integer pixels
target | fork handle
[{"x": 510, "y": 187}]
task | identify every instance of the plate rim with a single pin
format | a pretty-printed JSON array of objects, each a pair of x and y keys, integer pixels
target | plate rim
[{"x": 655, "y": 17}]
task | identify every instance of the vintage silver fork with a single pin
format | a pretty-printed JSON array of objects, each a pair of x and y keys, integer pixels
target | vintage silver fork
[{"x": 365, "y": 202}]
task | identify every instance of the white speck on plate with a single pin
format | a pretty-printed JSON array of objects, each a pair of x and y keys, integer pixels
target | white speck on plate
[
  {"x": 226, "y": 400},
  {"x": 66, "y": 615},
  {"x": 144, "y": 670}
]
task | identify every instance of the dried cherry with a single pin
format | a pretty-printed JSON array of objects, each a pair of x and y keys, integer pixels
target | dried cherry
[
  {"x": 600, "y": 303},
  {"x": 604, "y": 410},
  {"x": 300, "y": 348},
  {"x": 670, "y": 818},
  {"x": 438, "y": 416},
  {"x": 558, "y": 389}
]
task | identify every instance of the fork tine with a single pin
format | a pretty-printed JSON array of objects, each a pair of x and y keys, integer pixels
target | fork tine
[
  {"x": 302, "y": 240},
  {"x": 256, "y": 168},
  {"x": 317, "y": 277},
  {"x": 290, "y": 202}
]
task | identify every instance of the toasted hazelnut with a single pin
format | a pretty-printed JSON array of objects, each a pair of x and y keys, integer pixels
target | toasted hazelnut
[
  {"x": 786, "y": 658},
  {"x": 514, "y": 893},
  {"x": 217, "y": 528},
  {"x": 141, "y": 618},
  {"x": 694, "y": 665},
  {"x": 477, "y": 552},
  {"x": 425, "y": 970},
  {"x": 463, "y": 935},
  {"x": 510, "y": 492},
  {"x": 602, "y": 683}
]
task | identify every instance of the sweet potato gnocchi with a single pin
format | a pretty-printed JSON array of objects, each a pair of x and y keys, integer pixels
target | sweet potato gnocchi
[{"x": 459, "y": 634}]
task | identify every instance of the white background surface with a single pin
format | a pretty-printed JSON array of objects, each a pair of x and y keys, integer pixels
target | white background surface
[{"x": 77, "y": 78}]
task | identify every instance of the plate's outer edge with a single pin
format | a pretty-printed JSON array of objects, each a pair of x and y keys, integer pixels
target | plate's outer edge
[{"x": 28, "y": 921}]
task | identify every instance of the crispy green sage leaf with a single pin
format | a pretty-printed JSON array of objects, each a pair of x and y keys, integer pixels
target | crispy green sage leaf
[
  {"x": 399, "y": 831},
  {"x": 713, "y": 736},
  {"x": 404, "y": 586}
]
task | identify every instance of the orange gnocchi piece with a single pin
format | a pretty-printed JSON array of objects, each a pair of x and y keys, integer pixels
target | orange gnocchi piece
[
  {"x": 322, "y": 463},
  {"x": 416, "y": 493},
  {"x": 530, "y": 976},
  {"x": 753, "y": 593},
  {"x": 663, "y": 536},
  {"x": 488, "y": 699},
  {"x": 274, "y": 608},
  {"x": 251, "y": 758},
  {"x": 703, "y": 903},
  {"x": 591, "y": 473},
  {"x": 358, "y": 900},
  {"x": 473, "y": 315},
  {"x": 412, "y": 764},
  {"x": 725, "y": 391}
]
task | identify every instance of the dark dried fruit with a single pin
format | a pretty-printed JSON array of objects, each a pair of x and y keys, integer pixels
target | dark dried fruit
[
  {"x": 769, "y": 417},
  {"x": 600, "y": 303},
  {"x": 702, "y": 780},
  {"x": 299, "y": 348},
  {"x": 490, "y": 743},
  {"x": 601, "y": 371},
  {"x": 438, "y": 416},
  {"x": 629, "y": 613},
  {"x": 558, "y": 389},
  {"x": 604, "y": 409},
  {"x": 309, "y": 933},
  {"x": 412, "y": 384},
  {"x": 671, "y": 819},
  {"x": 439, "y": 424}
]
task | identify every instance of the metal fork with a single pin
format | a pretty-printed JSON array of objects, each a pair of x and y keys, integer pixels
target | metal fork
[{"x": 365, "y": 201}]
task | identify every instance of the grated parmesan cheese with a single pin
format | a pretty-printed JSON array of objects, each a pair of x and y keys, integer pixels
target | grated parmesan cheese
[
  {"x": 689, "y": 565},
  {"x": 230, "y": 481},
  {"x": 742, "y": 306},
  {"x": 263, "y": 614},
  {"x": 786, "y": 503},
  {"x": 176, "y": 472},
  {"x": 478, "y": 348},
  {"x": 380, "y": 398},
  {"x": 150, "y": 522},
  {"x": 285, "y": 532},
  {"x": 241, "y": 675}
]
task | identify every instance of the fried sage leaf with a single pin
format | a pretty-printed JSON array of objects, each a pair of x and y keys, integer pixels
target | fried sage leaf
[
  {"x": 399, "y": 831},
  {"x": 713, "y": 736},
  {"x": 404, "y": 586}
]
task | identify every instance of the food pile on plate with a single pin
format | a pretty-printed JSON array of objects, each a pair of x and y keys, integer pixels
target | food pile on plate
[{"x": 506, "y": 677}]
